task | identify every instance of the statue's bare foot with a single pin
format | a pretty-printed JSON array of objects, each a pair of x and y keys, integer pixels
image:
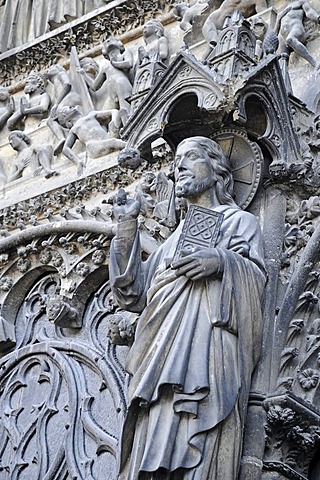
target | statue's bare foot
[{"x": 51, "y": 173}]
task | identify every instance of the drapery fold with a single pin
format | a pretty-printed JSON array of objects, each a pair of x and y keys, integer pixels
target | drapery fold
[{"x": 195, "y": 349}]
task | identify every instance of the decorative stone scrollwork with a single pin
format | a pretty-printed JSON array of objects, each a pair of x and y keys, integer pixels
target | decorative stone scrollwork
[{"x": 185, "y": 72}]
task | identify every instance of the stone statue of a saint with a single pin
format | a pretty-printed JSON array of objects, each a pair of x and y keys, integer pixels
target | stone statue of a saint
[{"x": 198, "y": 337}]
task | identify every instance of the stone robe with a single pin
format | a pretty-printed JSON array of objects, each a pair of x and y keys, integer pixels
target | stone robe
[{"x": 196, "y": 345}]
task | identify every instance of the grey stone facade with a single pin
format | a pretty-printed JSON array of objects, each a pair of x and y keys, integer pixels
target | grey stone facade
[{"x": 103, "y": 359}]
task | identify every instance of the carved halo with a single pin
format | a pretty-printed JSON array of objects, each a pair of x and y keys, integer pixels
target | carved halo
[{"x": 246, "y": 162}]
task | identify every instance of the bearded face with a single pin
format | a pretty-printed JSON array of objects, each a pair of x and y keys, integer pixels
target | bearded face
[
  {"x": 194, "y": 172},
  {"x": 32, "y": 84}
]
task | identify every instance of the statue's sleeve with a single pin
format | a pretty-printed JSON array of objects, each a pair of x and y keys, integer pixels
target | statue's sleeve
[{"x": 129, "y": 276}]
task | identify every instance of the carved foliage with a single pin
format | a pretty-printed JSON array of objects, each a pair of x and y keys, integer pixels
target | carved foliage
[
  {"x": 293, "y": 437},
  {"x": 58, "y": 204},
  {"x": 85, "y": 34}
]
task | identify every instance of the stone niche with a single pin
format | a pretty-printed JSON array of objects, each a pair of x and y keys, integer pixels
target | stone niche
[{"x": 95, "y": 100}]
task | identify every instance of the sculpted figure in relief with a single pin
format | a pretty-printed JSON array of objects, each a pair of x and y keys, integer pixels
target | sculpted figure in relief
[
  {"x": 6, "y": 106},
  {"x": 291, "y": 29},
  {"x": 29, "y": 160},
  {"x": 198, "y": 337},
  {"x": 63, "y": 95},
  {"x": 37, "y": 103},
  {"x": 116, "y": 73},
  {"x": 216, "y": 19},
  {"x": 156, "y": 47},
  {"x": 187, "y": 13},
  {"x": 90, "y": 70},
  {"x": 61, "y": 313},
  {"x": 90, "y": 131}
]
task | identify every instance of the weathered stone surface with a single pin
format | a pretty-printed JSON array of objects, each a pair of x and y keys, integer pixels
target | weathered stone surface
[{"x": 74, "y": 364}]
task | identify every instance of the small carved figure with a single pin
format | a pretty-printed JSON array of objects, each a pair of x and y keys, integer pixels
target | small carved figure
[
  {"x": 187, "y": 13},
  {"x": 90, "y": 131},
  {"x": 216, "y": 19},
  {"x": 37, "y": 103},
  {"x": 156, "y": 47},
  {"x": 61, "y": 313},
  {"x": 29, "y": 159},
  {"x": 145, "y": 194},
  {"x": 90, "y": 70},
  {"x": 129, "y": 158},
  {"x": 6, "y": 106},
  {"x": 90, "y": 67},
  {"x": 198, "y": 337},
  {"x": 259, "y": 28},
  {"x": 64, "y": 95},
  {"x": 120, "y": 328},
  {"x": 116, "y": 73},
  {"x": 291, "y": 30}
]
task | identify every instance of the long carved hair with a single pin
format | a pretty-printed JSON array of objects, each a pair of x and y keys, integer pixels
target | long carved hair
[{"x": 221, "y": 168}]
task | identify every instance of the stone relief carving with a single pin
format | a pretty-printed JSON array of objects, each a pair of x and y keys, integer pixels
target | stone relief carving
[
  {"x": 22, "y": 23},
  {"x": 290, "y": 26},
  {"x": 45, "y": 373},
  {"x": 217, "y": 18},
  {"x": 153, "y": 58},
  {"x": 61, "y": 313},
  {"x": 171, "y": 395},
  {"x": 156, "y": 48},
  {"x": 64, "y": 95},
  {"x": 288, "y": 133},
  {"x": 129, "y": 158},
  {"x": 37, "y": 104},
  {"x": 31, "y": 160},
  {"x": 7, "y": 106},
  {"x": 187, "y": 13},
  {"x": 88, "y": 129},
  {"x": 292, "y": 440},
  {"x": 86, "y": 34},
  {"x": 91, "y": 70},
  {"x": 116, "y": 73}
]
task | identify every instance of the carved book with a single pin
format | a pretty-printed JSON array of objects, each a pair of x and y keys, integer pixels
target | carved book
[{"x": 201, "y": 229}]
